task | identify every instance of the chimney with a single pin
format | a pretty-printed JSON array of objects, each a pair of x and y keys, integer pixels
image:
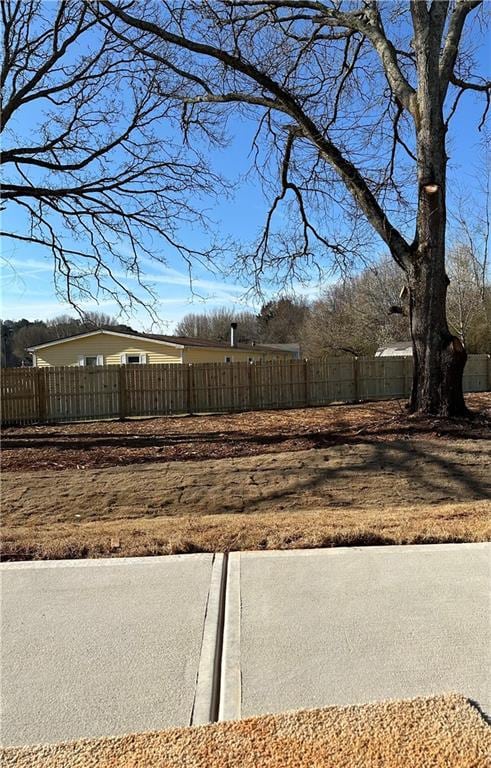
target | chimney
[{"x": 233, "y": 335}]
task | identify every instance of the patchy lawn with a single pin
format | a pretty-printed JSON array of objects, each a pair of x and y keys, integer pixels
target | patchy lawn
[
  {"x": 362, "y": 484},
  {"x": 87, "y": 445},
  {"x": 460, "y": 522}
]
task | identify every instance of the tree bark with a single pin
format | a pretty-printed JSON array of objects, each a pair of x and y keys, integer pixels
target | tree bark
[{"x": 439, "y": 357}]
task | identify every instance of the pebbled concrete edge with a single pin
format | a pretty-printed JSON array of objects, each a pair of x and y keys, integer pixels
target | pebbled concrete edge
[
  {"x": 101, "y": 562},
  {"x": 398, "y": 549},
  {"x": 208, "y": 678},
  {"x": 231, "y": 677}
]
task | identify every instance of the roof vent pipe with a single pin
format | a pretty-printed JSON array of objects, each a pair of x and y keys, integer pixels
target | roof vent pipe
[{"x": 233, "y": 335}]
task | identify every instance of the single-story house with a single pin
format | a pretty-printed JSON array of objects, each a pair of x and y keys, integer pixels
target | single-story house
[
  {"x": 396, "y": 349},
  {"x": 106, "y": 347}
]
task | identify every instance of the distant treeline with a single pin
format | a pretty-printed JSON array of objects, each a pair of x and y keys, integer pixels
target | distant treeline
[
  {"x": 19, "y": 335},
  {"x": 351, "y": 316},
  {"x": 360, "y": 313}
]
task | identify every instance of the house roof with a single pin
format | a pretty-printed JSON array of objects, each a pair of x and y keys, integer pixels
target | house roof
[{"x": 175, "y": 341}]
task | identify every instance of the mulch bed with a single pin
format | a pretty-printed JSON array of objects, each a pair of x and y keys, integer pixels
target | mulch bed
[{"x": 105, "y": 444}]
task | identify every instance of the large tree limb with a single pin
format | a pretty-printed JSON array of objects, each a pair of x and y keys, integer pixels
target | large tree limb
[
  {"x": 368, "y": 22},
  {"x": 450, "y": 49},
  {"x": 238, "y": 96},
  {"x": 484, "y": 87},
  {"x": 351, "y": 176}
]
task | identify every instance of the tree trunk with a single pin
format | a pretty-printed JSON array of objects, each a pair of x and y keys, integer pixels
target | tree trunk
[{"x": 439, "y": 357}]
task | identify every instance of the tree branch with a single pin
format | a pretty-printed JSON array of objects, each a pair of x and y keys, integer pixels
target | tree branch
[
  {"x": 448, "y": 56},
  {"x": 368, "y": 22},
  {"x": 351, "y": 176}
]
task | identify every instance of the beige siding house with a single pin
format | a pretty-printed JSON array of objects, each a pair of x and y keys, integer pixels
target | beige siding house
[{"x": 105, "y": 347}]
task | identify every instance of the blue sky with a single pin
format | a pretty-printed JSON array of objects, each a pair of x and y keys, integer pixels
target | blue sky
[
  {"x": 27, "y": 290},
  {"x": 27, "y": 275}
]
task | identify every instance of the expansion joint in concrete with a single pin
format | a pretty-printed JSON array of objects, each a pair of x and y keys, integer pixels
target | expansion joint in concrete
[{"x": 207, "y": 694}]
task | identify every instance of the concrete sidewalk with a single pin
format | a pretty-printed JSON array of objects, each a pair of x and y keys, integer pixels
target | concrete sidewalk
[
  {"x": 106, "y": 647},
  {"x": 103, "y": 647},
  {"x": 310, "y": 628}
]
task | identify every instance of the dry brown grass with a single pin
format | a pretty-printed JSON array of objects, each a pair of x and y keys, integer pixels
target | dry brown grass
[
  {"x": 367, "y": 481},
  {"x": 464, "y": 521}
]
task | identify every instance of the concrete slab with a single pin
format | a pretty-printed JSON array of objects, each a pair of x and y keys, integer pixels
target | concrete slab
[
  {"x": 103, "y": 647},
  {"x": 345, "y": 626}
]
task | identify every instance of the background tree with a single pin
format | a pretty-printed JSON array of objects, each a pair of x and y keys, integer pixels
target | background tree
[
  {"x": 18, "y": 336},
  {"x": 468, "y": 300},
  {"x": 353, "y": 101},
  {"x": 356, "y": 315},
  {"x": 281, "y": 320},
  {"x": 8, "y": 329},
  {"x": 90, "y": 172},
  {"x": 278, "y": 321},
  {"x": 215, "y": 325},
  {"x": 353, "y": 316}
]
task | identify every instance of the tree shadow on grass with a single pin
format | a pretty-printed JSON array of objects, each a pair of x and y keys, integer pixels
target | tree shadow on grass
[{"x": 316, "y": 438}]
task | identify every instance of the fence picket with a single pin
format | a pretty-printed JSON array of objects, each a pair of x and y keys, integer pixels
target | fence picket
[{"x": 31, "y": 395}]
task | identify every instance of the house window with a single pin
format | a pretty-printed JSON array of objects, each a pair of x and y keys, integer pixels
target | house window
[
  {"x": 229, "y": 359},
  {"x": 134, "y": 358},
  {"x": 91, "y": 361}
]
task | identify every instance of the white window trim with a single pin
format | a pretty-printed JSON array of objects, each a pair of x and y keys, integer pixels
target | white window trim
[
  {"x": 143, "y": 358},
  {"x": 83, "y": 358}
]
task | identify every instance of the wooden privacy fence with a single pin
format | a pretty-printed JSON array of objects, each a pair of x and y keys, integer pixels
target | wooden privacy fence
[{"x": 71, "y": 393}]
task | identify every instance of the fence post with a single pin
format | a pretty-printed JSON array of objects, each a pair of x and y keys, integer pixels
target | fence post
[
  {"x": 123, "y": 393},
  {"x": 407, "y": 375},
  {"x": 356, "y": 379},
  {"x": 306, "y": 397},
  {"x": 489, "y": 372},
  {"x": 189, "y": 389},
  {"x": 42, "y": 394},
  {"x": 252, "y": 388}
]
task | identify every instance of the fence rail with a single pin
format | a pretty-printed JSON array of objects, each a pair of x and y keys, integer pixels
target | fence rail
[{"x": 48, "y": 395}]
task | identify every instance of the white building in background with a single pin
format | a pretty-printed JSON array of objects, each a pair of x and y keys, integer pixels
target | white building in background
[
  {"x": 294, "y": 349},
  {"x": 396, "y": 349}
]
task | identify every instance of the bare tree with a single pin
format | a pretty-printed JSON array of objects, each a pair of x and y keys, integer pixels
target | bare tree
[
  {"x": 469, "y": 297},
  {"x": 353, "y": 100},
  {"x": 24, "y": 334},
  {"x": 356, "y": 315},
  {"x": 89, "y": 170},
  {"x": 281, "y": 320},
  {"x": 472, "y": 221},
  {"x": 215, "y": 325},
  {"x": 468, "y": 307}
]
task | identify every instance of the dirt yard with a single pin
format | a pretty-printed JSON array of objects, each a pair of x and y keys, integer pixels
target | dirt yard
[
  {"x": 85, "y": 445},
  {"x": 321, "y": 477}
]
